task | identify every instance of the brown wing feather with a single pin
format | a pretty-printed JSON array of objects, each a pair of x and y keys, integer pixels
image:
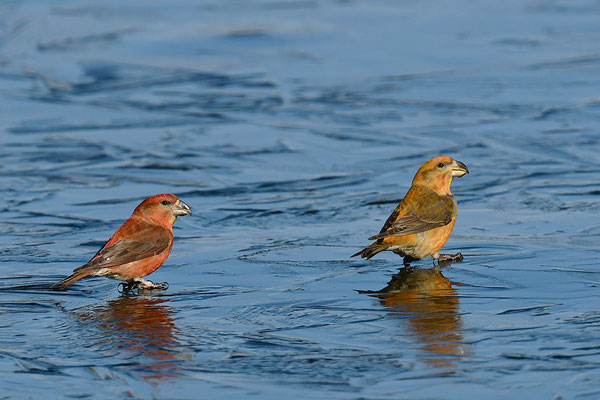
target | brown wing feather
[
  {"x": 149, "y": 241},
  {"x": 428, "y": 210},
  {"x": 391, "y": 219},
  {"x": 410, "y": 224},
  {"x": 126, "y": 251}
]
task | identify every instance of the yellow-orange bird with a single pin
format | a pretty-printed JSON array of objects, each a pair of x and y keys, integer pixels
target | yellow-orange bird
[{"x": 422, "y": 222}]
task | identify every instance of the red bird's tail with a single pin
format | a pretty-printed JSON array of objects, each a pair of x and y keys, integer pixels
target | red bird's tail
[
  {"x": 371, "y": 250},
  {"x": 70, "y": 279}
]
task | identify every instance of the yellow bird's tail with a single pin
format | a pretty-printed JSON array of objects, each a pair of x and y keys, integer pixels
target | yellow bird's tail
[{"x": 371, "y": 250}]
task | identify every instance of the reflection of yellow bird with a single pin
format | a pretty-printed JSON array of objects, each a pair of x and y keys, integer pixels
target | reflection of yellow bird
[
  {"x": 141, "y": 326},
  {"x": 427, "y": 299}
]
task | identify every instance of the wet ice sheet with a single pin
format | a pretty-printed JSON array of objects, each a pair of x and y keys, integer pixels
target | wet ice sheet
[{"x": 292, "y": 129}]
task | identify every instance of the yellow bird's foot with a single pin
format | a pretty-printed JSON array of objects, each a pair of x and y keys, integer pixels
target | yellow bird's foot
[
  {"x": 407, "y": 260},
  {"x": 450, "y": 258}
]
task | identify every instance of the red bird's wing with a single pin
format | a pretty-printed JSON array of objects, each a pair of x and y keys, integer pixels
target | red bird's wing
[
  {"x": 421, "y": 210},
  {"x": 145, "y": 241}
]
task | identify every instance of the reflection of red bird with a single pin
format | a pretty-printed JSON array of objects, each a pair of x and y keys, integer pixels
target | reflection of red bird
[
  {"x": 422, "y": 222},
  {"x": 139, "y": 247},
  {"x": 139, "y": 326}
]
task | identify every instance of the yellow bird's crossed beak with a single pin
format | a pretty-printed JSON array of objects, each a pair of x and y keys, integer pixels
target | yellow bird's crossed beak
[{"x": 459, "y": 169}]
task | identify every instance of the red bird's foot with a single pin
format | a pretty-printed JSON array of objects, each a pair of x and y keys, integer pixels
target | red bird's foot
[
  {"x": 141, "y": 285},
  {"x": 448, "y": 258}
]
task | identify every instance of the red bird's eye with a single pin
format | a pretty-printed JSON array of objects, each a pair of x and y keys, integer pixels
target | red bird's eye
[
  {"x": 441, "y": 165},
  {"x": 165, "y": 202}
]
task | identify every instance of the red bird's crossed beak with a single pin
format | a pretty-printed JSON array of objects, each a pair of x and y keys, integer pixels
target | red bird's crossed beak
[
  {"x": 459, "y": 169},
  {"x": 181, "y": 209}
]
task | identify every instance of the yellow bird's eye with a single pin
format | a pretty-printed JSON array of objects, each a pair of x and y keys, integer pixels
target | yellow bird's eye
[{"x": 441, "y": 165}]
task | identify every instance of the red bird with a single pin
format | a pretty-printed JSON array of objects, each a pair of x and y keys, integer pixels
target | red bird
[
  {"x": 139, "y": 247},
  {"x": 422, "y": 222}
]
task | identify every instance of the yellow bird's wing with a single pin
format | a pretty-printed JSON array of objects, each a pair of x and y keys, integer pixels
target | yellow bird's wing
[{"x": 421, "y": 210}]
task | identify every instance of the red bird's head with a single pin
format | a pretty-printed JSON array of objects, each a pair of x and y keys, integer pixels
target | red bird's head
[
  {"x": 162, "y": 209},
  {"x": 438, "y": 172}
]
